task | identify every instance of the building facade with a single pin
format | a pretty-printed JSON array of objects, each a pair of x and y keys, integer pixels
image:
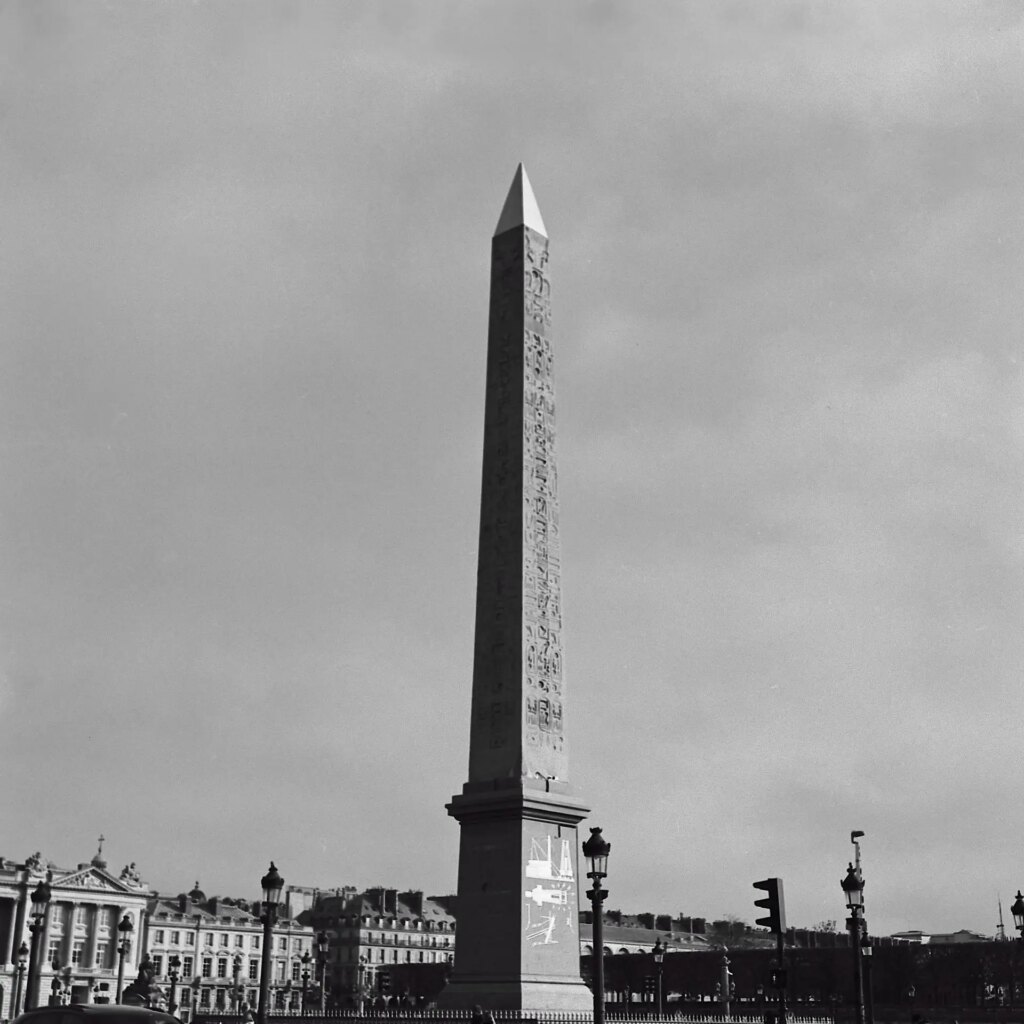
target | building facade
[
  {"x": 372, "y": 933},
  {"x": 219, "y": 945},
  {"x": 79, "y": 942}
]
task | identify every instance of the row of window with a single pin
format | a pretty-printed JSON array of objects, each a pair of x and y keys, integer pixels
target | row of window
[
  {"x": 53, "y": 951},
  {"x": 403, "y": 923},
  {"x": 172, "y": 937},
  {"x": 224, "y": 968},
  {"x": 390, "y": 939},
  {"x": 80, "y": 918}
]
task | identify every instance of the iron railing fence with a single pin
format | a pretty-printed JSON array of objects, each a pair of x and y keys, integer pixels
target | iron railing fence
[{"x": 512, "y": 1017}]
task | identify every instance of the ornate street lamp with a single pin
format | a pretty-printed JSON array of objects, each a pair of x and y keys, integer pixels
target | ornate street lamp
[
  {"x": 853, "y": 890},
  {"x": 173, "y": 966},
  {"x": 40, "y": 904},
  {"x": 1018, "y": 914},
  {"x": 596, "y": 850},
  {"x": 19, "y": 978},
  {"x": 124, "y": 930},
  {"x": 306, "y": 961},
  {"x": 321, "y": 949},
  {"x": 659, "y": 967},
  {"x": 272, "y": 883}
]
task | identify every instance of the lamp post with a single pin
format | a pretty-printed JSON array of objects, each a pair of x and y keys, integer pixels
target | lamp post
[
  {"x": 321, "y": 949},
  {"x": 272, "y": 884},
  {"x": 659, "y": 967},
  {"x": 306, "y": 961},
  {"x": 19, "y": 977},
  {"x": 865, "y": 951},
  {"x": 853, "y": 889},
  {"x": 726, "y": 986},
  {"x": 40, "y": 903},
  {"x": 1018, "y": 914},
  {"x": 173, "y": 966},
  {"x": 596, "y": 850},
  {"x": 124, "y": 930}
]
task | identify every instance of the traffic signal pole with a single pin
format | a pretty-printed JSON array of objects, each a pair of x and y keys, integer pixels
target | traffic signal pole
[
  {"x": 782, "y": 977},
  {"x": 775, "y": 903}
]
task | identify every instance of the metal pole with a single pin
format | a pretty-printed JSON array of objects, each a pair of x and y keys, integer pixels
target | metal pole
[
  {"x": 32, "y": 984},
  {"x": 121, "y": 953},
  {"x": 783, "y": 979},
  {"x": 661, "y": 990},
  {"x": 305, "y": 989},
  {"x": 869, "y": 999},
  {"x": 858, "y": 984},
  {"x": 323, "y": 984},
  {"x": 172, "y": 999},
  {"x": 268, "y": 939},
  {"x": 597, "y": 898}
]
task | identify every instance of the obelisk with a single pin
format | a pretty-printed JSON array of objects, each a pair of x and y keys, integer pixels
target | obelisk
[{"x": 517, "y": 945}]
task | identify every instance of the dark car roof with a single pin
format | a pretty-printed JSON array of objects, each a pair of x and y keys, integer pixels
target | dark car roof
[{"x": 95, "y": 1013}]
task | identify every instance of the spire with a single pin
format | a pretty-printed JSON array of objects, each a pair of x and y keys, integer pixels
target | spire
[
  {"x": 520, "y": 207},
  {"x": 98, "y": 861}
]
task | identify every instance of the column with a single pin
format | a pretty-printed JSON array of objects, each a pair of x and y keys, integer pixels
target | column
[
  {"x": 18, "y": 928},
  {"x": 92, "y": 924},
  {"x": 68, "y": 938},
  {"x": 8, "y": 947}
]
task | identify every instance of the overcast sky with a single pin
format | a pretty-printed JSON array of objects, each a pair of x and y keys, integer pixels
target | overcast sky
[{"x": 243, "y": 311}]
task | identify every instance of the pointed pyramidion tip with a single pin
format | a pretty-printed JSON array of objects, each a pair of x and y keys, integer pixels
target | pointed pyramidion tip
[{"x": 520, "y": 209}]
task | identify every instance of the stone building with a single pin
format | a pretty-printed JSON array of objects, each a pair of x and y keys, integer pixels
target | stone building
[
  {"x": 219, "y": 941},
  {"x": 79, "y": 947},
  {"x": 372, "y": 932}
]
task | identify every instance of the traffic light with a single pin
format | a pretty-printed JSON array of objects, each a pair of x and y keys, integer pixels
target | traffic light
[{"x": 774, "y": 904}]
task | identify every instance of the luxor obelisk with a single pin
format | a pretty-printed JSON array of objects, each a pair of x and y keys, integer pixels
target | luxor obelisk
[{"x": 518, "y": 936}]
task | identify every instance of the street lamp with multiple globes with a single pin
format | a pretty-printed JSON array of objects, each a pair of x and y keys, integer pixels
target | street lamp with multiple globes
[
  {"x": 307, "y": 959},
  {"x": 173, "y": 965},
  {"x": 596, "y": 850},
  {"x": 321, "y": 949},
  {"x": 659, "y": 967},
  {"x": 1018, "y": 914},
  {"x": 19, "y": 978},
  {"x": 40, "y": 904},
  {"x": 124, "y": 930},
  {"x": 272, "y": 883}
]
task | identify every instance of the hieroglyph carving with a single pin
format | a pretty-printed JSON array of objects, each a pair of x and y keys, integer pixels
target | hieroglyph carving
[
  {"x": 542, "y": 605},
  {"x": 518, "y": 684}
]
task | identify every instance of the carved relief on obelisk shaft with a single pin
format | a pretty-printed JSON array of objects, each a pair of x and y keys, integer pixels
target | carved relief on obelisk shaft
[{"x": 518, "y": 688}]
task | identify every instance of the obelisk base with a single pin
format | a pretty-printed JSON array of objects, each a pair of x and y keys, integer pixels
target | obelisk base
[
  {"x": 531, "y": 996},
  {"x": 518, "y": 944}
]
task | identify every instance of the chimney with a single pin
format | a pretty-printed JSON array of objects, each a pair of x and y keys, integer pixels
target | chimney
[{"x": 182, "y": 903}]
